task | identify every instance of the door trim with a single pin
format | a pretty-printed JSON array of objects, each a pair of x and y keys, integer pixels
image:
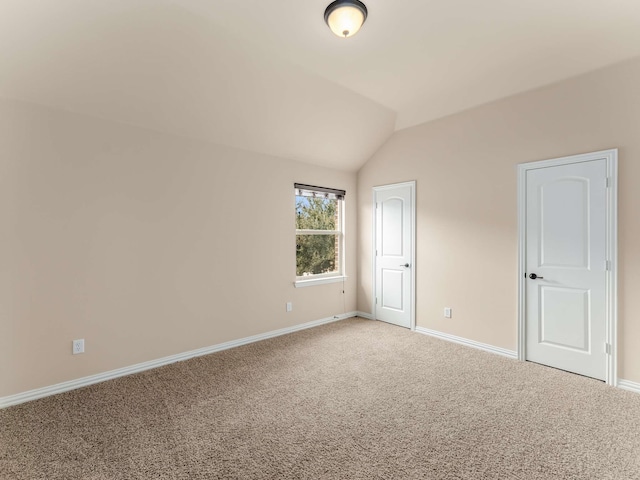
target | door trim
[
  {"x": 611, "y": 289},
  {"x": 412, "y": 304}
]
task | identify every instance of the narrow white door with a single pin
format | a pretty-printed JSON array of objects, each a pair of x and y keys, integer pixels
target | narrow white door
[
  {"x": 394, "y": 253},
  {"x": 566, "y": 231}
]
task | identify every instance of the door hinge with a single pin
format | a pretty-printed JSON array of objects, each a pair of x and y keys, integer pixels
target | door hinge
[
  {"x": 376, "y": 300},
  {"x": 607, "y": 348},
  {"x": 607, "y": 265},
  {"x": 607, "y": 182}
]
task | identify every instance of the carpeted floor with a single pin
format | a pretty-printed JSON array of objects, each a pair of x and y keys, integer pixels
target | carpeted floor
[{"x": 354, "y": 399}]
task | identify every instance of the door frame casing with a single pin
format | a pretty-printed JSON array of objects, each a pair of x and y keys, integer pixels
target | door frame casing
[
  {"x": 412, "y": 304},
  {"x": 611, "y": 291}
]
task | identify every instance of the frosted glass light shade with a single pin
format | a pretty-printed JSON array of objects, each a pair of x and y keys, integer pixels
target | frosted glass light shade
[{"x": 345, "y": 17}]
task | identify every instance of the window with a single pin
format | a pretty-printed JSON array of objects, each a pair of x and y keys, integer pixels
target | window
[{"x": 319, "y": 234}]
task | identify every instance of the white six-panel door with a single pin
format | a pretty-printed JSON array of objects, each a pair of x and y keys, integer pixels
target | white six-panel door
[
  {"x": 394, "y": 253},
  {"x": 566, "y": 267}
]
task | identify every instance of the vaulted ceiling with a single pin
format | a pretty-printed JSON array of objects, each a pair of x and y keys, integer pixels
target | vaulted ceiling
[{"x": 268, "y": 75}]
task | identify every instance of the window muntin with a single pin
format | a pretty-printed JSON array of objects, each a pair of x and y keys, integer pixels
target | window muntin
[{"x": 319, "y": 232}]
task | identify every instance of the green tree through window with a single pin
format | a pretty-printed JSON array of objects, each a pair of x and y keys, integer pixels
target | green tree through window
[{"x": 318, "y": 233}]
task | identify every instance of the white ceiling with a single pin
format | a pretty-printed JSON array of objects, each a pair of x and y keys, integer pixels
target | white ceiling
[{"x": 269, "y": 76}]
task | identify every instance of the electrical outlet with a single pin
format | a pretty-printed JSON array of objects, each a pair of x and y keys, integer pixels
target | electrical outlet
[
  {"x": 447, "y": 312},
  {"x": 289, "y": 306},
  {"x": 78, "y": 346}
]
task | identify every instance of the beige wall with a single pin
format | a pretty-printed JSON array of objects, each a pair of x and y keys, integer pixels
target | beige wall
[
  {"x": 143, "y": 244},
  {"x": 465, "y": 168},
  {"x": 147, "y": 244}
]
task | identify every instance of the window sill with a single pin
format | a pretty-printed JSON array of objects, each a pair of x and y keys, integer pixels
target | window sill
[{"x": 319, "y": 281}]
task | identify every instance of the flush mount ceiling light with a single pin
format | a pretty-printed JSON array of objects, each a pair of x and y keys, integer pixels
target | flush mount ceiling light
[{"x": 345, "y": 17}]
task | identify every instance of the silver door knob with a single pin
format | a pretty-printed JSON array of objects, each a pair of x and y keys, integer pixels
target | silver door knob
[{"x": 406, "y": 265}]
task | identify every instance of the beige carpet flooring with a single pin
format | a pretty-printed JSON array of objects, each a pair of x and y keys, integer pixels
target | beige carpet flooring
[{"x": 354, "y": 399}]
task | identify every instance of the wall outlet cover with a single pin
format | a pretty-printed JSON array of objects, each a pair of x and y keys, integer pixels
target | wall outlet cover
[{"x": 78, "y": 346}]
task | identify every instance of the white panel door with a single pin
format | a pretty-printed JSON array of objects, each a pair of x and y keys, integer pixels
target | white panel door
[
  {"x": 394, "y": 250},
  {"x": 566, "y": 267}
]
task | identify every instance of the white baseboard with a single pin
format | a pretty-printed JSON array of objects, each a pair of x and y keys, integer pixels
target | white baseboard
[
  {"x": 469, "y": 343},
  {"x": 629, "y": 385},
  {"x": 141, "y": 367},
  {"x": 624, "y": 384}
]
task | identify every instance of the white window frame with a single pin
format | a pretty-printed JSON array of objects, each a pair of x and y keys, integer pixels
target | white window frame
[{"x": 331, "y": 277}]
